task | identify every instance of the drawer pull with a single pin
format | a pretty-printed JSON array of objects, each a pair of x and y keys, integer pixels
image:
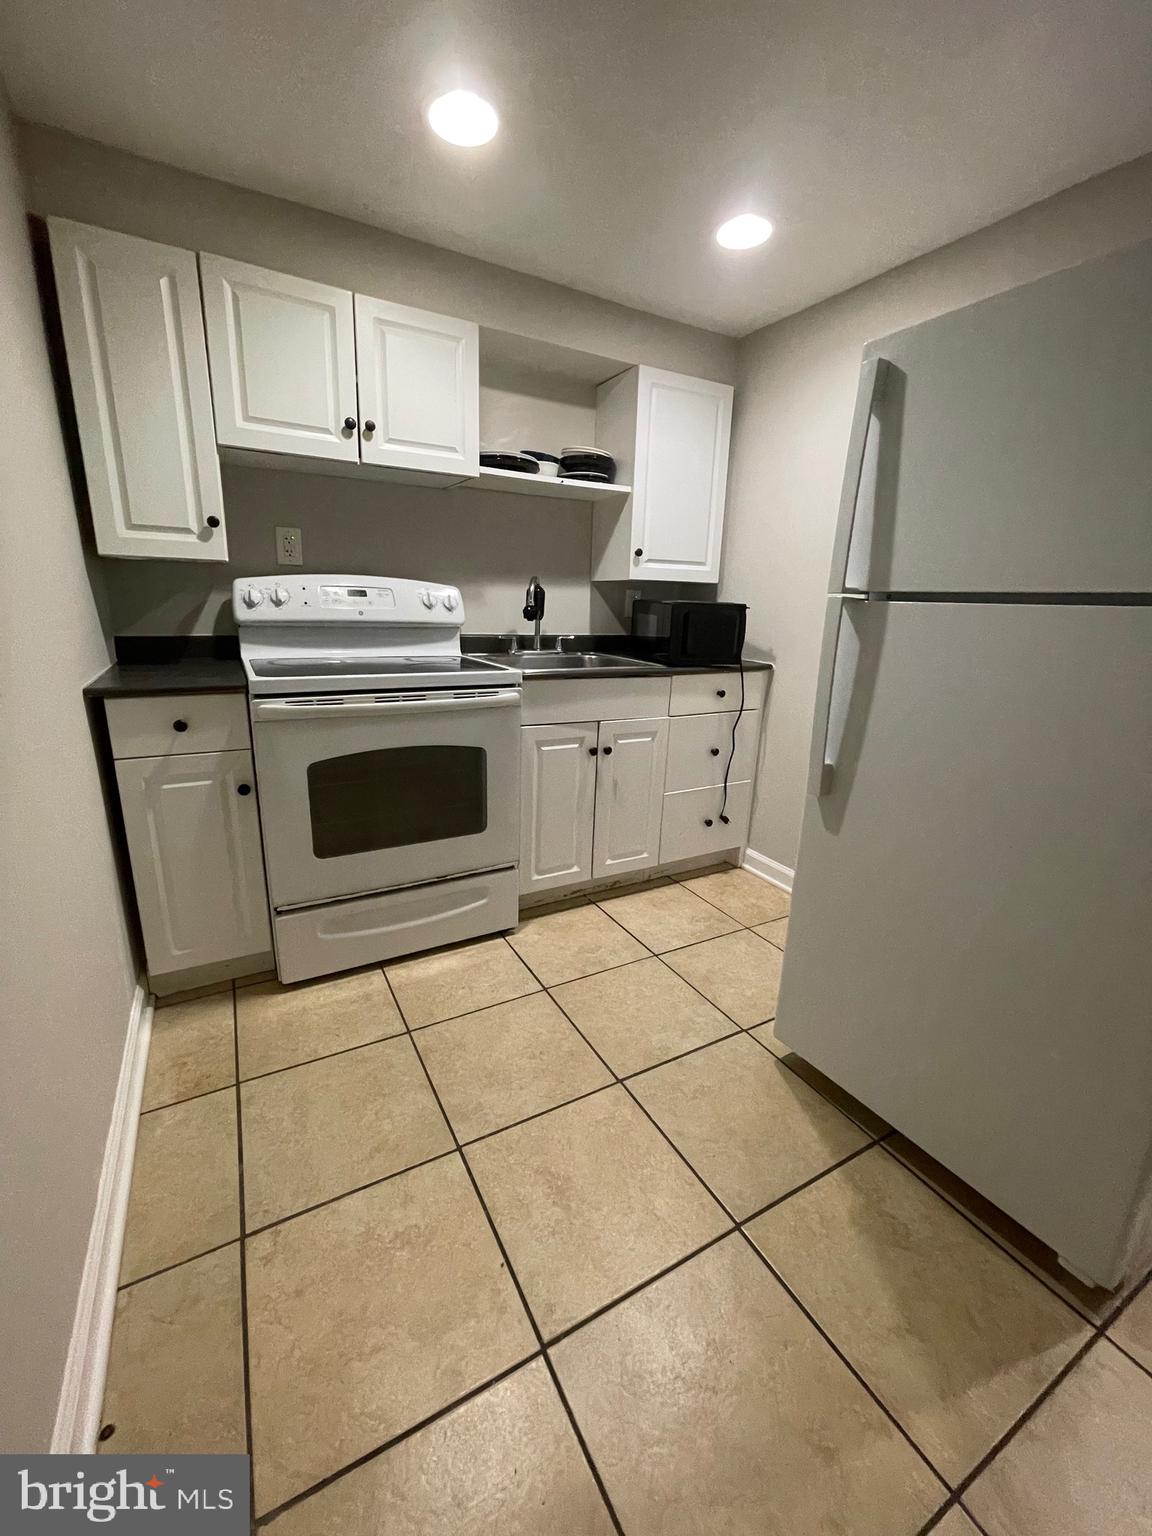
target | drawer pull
[
  {"x": 721, "y": 693},
  {"x": 707, "y": 821},
  {"x": 592, "y": 751},
  {"x": 179, "y": 725},
  {"x": 243, "y": 789},
  {"x": 715, "y": 751},
  {"x": 607, "y": 751}
]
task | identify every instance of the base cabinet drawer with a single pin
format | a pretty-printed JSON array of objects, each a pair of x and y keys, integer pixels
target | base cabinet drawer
[
  {"x": 157, "y": 725},
  {"x": 692, "y": 824},
  {"x": 696, "y": 693},
  {"x": 699, "y": 747},
  {"x": 193, "y": 835}
]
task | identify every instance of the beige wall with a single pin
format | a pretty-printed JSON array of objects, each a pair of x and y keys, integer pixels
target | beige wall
[
  {"x": 67, "y": 973},
  {"x": 490, "y": 545},
  {"x": 795, "y": 389}
]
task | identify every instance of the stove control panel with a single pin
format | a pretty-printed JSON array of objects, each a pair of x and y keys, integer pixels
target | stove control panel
[{"x": 345, "y": 600}]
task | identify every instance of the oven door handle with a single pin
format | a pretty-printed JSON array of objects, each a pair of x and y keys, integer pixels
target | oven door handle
[{"x": 344, "y": 708}]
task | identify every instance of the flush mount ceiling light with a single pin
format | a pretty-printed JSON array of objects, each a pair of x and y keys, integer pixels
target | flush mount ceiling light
[
  {"x": 743, "y": 232},
  {"x": 463, "y": 118}
]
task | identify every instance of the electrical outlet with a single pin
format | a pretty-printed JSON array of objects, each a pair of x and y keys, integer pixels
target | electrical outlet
[{"x": 289, "y": 547}]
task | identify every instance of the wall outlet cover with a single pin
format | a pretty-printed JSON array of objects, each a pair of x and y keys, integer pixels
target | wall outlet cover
[{"x": 289, "y": 547}]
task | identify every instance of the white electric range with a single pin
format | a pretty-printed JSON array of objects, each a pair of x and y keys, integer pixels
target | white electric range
[{"x": 387, "y": 765}]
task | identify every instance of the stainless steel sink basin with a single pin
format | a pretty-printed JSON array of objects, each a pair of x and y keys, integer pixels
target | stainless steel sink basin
[{"x": 576, "y": 661}]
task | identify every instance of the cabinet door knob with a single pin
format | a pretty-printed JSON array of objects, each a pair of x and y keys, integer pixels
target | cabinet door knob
[
  {"x": 721, "y": 693},
  {"x": 213, "y": 522},
  {"x": 637, "y": 553},
  {"x": 179, "y": 725},
  {"x": 349, "y": 423},
  {"x": 707, "y": 821},
  {"x": 607, "y": 751},
  {"x": 243, "y": 789},
  {"x": 715, "y": 751},
  {"x": 592, "y": 751},
  {"x": 369, "y": 426}
]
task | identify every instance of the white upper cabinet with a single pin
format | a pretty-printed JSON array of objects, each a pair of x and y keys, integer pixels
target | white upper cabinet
[
  {"x": 669, "y": 435},
  {"x": 130, "y": 312},
  {"x": 418, "y": 377},
  {"x": 283, "y": 356}
]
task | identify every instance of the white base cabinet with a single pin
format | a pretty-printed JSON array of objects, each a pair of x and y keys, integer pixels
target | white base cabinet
[
  {"x": 557, "y": 804},
  {"x": 629, "y": 796},
  {"x": 130, "y": 313}
]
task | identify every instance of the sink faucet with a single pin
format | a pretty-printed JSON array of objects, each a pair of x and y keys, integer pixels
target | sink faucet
[{"x": 534, "y": 608}]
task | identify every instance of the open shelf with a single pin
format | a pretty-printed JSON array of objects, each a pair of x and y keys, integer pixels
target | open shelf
[{"x": 521, "y": 484}]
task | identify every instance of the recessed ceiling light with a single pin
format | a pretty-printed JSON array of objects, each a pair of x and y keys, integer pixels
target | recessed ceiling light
[
  {"x": 463, "y": 118},
  {"x": 743, "y": 232}
]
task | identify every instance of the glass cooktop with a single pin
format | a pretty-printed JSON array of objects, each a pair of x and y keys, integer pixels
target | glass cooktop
[{"x": 372, "y": 666}]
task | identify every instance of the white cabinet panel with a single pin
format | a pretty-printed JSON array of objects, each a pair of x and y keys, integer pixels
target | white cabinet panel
[
  {"x": 151, "y": 726},
  {"x": 130, "y": 312},
  {"x": 700, "y": 746},
  {"x": 283, "y": 361},
  {"x": 629, "y": 795},
  {"x": 696, "y": 693},
  {"x": 692, "y": 825},
  {"x": 194, "y": 841},
  {"x": 669, "y": 434},
  {"x": 557, "y": 800},
  {"x": 419, "y": 387}
]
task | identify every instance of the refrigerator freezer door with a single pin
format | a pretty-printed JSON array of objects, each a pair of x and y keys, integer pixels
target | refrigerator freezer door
[
  {"x": 969, "y": 948},
  {"x": 1011, "y": 447}
]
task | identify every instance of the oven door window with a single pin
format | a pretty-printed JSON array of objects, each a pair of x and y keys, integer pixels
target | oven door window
[{"x": 396, "y": 796}]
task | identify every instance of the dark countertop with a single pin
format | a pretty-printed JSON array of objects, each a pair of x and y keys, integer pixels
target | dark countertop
[
  {"x": 190, "y": 674},
  {"x": 494, "y": 648}
]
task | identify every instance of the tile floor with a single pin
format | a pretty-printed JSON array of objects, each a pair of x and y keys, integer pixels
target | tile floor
[{"x": 550, "y": 1234}]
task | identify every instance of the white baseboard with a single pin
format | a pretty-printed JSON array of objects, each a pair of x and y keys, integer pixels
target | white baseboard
[
  {"x": 82, "y": 1390},
  {"x": 768, "y": 869}
]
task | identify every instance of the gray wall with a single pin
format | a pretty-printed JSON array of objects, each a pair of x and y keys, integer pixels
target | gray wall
[
  {"x": 795, "y": 388},
  {"x": 489, "y": 544},
  {"x": 68, "y": 976}
]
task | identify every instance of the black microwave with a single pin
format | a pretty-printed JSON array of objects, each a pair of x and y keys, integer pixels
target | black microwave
[{"x": 691, "y": 634}]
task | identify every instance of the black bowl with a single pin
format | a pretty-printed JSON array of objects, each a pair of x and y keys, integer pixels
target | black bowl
[{"x": 517, "y": 461}]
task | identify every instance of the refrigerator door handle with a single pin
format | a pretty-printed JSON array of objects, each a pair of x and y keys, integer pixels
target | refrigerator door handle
[
  {"x": 869, "y": 392},
  {"x": 821, "y": 769}
]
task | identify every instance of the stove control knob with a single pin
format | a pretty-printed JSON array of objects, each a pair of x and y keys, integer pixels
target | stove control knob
[
  {"x": 451, "y": 601},
  {"x": 279, "y": 596},
  {"x": 427, "y": 599},
  {"x": 253, "y": 597}
]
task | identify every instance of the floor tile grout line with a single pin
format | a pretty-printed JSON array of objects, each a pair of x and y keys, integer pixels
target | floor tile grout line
[
  {"x": 784, "y": 1062},
  {"x": 190, "y": 1098},
  {"x": 166, "y": 1269},
  {"x": 362, "y": 1460},
  {"x": 938, "y": 1516},
  {"x": 1127, "y": 1353},
  {"x": 357, "y": 1189},
  {"x": 808, "y": 1183},
  {"x": 245, "y": 1350},
  {"x": 585, "y": 1448},
  {"x": 693, "y": 1050},
  {"x": 996, "y": 1241},
  {"x": 1115, "y": 1313},
  {"x": 311, "y": 1061},
  {"x": 843, "y": 1358},
  {"x": 515, "y": 1279}
]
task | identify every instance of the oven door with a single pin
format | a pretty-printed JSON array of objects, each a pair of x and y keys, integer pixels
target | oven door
[{"x": 362, "y": 792}]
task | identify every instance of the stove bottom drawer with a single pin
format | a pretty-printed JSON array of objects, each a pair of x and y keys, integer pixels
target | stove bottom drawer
[{"x": 315, "y": 941}]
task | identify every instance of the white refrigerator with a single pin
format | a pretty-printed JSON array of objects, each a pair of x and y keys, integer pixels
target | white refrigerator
[{"x": 970, "y": 948}]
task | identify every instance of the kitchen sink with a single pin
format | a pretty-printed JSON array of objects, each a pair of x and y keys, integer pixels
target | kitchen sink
[{"x": 575, "y": 661}]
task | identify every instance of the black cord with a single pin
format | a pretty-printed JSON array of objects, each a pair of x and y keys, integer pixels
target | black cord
[{"x": 732, "y": 749}]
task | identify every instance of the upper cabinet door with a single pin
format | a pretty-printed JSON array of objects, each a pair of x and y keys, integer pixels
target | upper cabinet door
[
  {"x": 419, "y": 389},
  {"x": 283, "y": 361},
  {"x": 130, "y": 311}
]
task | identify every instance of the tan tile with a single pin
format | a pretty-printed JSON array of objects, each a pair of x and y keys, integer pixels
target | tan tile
[
  {"x": 505, "y": 1063},
  {"x": 668, "y": 917},
  {"x": 739, "y": 973},
  {"x": 185, "y": 1184},
  {"x": 864, "y": 1117},
  {"x": 460, "y": 980},
  {"x": 954, "y": 1336},
  {"x": 955, "y": 1523},
  {"x": 176, "y": 1366},
  {"x": 368, "y": 1315},
  {"x": 1090, "y": 1301},
  {"x": 589, "y": 1201},
  {"x": 710, "y": 1403},
  {"x": 319, "y": 1130},
  {"x": 1081, "y": 1465},
  {"x": 279, "y": 1026},
  {"x": 1132, "y": 1330},
  {"x": 776, "y": 932},
  {"x": 192, "y": 1050},
  {"x": 750, "y": 1128},
  {"x": 743, "y": 895},
  {"x": 505, "y": 1462},
  {"x": 564, "y": 945},
  {"x": 640, "y": 1014}
]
